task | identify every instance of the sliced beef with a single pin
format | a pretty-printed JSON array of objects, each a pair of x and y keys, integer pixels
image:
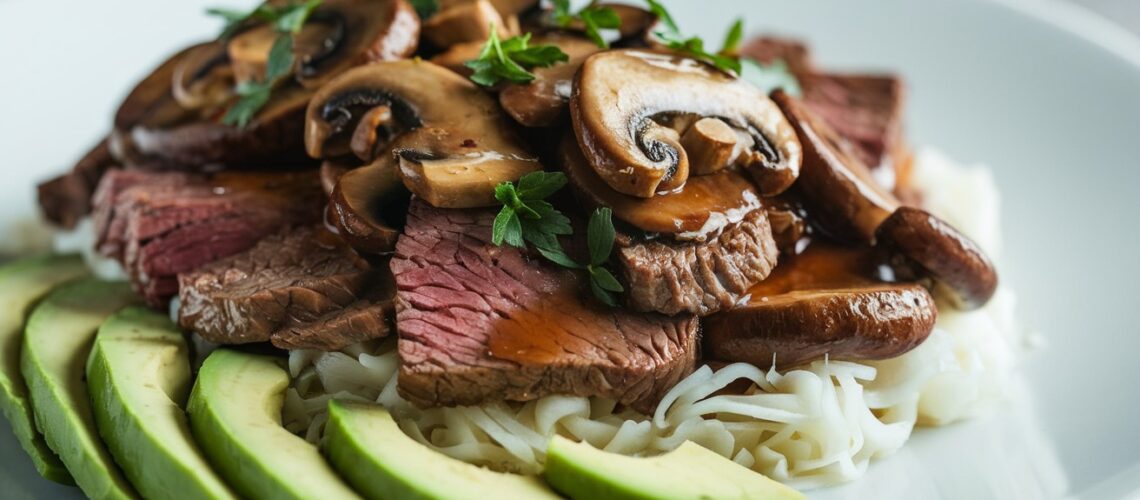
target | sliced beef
[
  {"x": 161, "y": 224},
  {"x": 864, "y": 109},
  {"x": 302, "y": 288},
  {"x": 697, "y": 277},
  {"x": 66, "y": 199},
  {"x": 481, "y": 323}
]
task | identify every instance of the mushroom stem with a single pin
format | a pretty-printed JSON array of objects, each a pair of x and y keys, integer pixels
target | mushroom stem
[
  {"x": 710, "y": 144},
  {"x": 374, "y": 129},
  {"x": 465, "y": 22}
]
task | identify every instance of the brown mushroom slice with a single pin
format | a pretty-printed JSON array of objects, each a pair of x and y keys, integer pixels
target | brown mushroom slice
[
  {"x": 269, "y": 140},
  {"x": 356, "y": 207},
  {"x": 154, "y": 94},
  {"x": 821, "y": 303},
  {"x": 952, "y": 259},
  {"x": 338, "y": 35},
  {"x": 455, "y": 57},
  {"x": 341, "y": 34},
  {"x": 453, "y": 142},
  {"x": 204, "y": 78},
  {"x": 464, "y": 22},
  {"x": 543, "y": 101},
  {"x": 513, "y": 7},
  {"x": 466, "y": 181},
  {"x": 834, "y": 184},
  {"x": 618, "y": 94},
  {"x": 249, "y": 53},
  {"x": 711, "y": 145},
  {"x": 331, "y": 171},
  {"x": 701, "y": 210}
]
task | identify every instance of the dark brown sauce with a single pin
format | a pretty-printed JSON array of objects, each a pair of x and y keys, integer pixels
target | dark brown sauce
[
  {"x": 539, "y": 332},
  {"x": 823, "y": 265}
]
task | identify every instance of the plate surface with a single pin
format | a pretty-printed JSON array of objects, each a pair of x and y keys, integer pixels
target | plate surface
[{"x": 1043, "y": 92}]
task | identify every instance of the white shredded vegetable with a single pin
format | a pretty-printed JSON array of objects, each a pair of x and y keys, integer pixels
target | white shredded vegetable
[{"x": 811, "y": 426}]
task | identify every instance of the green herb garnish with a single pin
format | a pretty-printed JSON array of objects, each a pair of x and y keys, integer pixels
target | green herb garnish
[
  {"x": 511, "y": 59},
  {"x": 526, "y": 217},
  {"x": 594, "y": 18},
  {"x": 287, "y": 20},
  {"x": 733, "y": 38},
  {"x": 425, "y": 8},
  {"x": 694, "y": 46},
  {"x": 288, "y": 17}
]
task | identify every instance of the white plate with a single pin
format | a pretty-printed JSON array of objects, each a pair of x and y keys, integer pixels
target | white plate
[{"x": 1046, "y": 93}]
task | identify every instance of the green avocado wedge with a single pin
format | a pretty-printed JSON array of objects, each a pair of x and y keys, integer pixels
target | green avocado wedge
[
  {"x": 57, "y": 342},
  {"x": 366, "y": 446},
  {"x": 235, "y": 412},
  {"x": 139, "y": 379},
  {"x": 581, "y": 471},
  {"x": 22, "y": 284}
]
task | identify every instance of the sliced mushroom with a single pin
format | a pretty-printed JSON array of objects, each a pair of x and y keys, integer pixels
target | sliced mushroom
[
  {"x": 821, "y": 303},
  {"x": 450, "y": 140},
  {"x": 249, "y": 53},
  {"x": 836, "y": 187},
  {"x": 193, "y": 142},
  {"x": 341, "y": 34},
  {"x": 543, "y": 102},
  {"x": 513, "y": 7},
  {"x": 956, "y": 262},
  {"x": 464, "y": 22},
  {"x": 338, "y": 35},
  {"x": 455, "y": 57},
  {"x": 331, "y": 171},
  {"x": 154, "y": 94},
  {"x": 847, "y": 203},
  {"x": 619, "y": 95},
  {"x": 636, "y": 23},
  {"x": 701, "y": 210},
  {"x": 204, "y": 78},
  {"x": 357, "y": 207},
  {"x": 711, "y": 145},
  {"x": 789, "y": 223}
]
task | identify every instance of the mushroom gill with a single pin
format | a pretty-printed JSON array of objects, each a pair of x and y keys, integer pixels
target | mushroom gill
[
  {"x": 624, "y": 100},
  {"x": 449, "y": 140}
]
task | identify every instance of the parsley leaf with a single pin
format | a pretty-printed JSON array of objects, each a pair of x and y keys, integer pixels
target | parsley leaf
[
  {"x": 527, "y": 218},
  {"x": 663, "y": 15},
  {"x": 510, "y": 59},
  {"x": 291, "y": 18},
  {"x": 425, "y": 8},
  {"x": 694, "y": 46},
  {"x": 733, "y": 38},
  {"x": 235, "y": 19},
  {"x": 287, "y": 20},
  {"x": 593, "y": 17},
  {"x": 600, "y": 236},
  {"x": 525, "y": 215},
  {"x": 772, "y": 76}
]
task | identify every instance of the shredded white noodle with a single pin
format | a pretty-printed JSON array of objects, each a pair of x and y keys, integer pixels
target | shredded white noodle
[{"x": 810, "y": 426}]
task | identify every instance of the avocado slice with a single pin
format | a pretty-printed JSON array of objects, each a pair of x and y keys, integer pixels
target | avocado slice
[
  {"x": 579, "y": 470},
  {"x": 364, "y": 443},
  {"x": 57, "y": 342},
  {"x": 235, "y": 412},
  {"x": 22, "y": 284},
  {"x": 139, "y": 379}
]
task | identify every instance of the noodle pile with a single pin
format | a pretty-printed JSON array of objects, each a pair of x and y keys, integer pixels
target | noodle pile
[{"x": 811, "y": 426}]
